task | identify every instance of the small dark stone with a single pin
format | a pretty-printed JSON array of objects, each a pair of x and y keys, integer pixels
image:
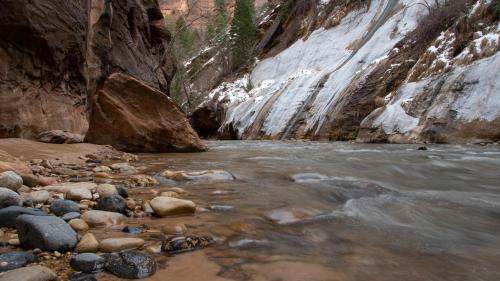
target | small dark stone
[
  {"x": 27, "y": 202},
  {"x": 131, "y": 264},
  {"x": 122, "y": 191},
  {"x": 177, "y": 245},
  {"x": 113, "y": 203},
  {"x": 13, "y": 260},
  {"x": 79, "y": 276},
  {"x": 47, "y": 233},
  {"x": 60, "y": 207},
  {"x": 422, "y": 148},
  {"x": 97, "y": 161},
  {"x": 70, "y": 216},
  {"x": 132, "y": 230},
  {"x": 87, "y": 263},
  {"x": 9, "y": 215}
]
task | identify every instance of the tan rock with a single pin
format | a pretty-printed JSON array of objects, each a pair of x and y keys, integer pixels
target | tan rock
[
  {"x": 208, "y": 175},
  {"x": 105, "y": 190},
  {"x": 111, "y": 245},
  {"x": 79, "y": 193},
  {"x": 151, "y": 123},
  {"x": 103, "y": 218},
  {"x": 78, "y": 225},
  {"x": 177, "y": 229},
  {"x": 169, "y": 194},
  {"x": 141, "y": 180},
  {"x": 88, "y": 244},
  {"x": 101, "y": 169},
  {"x": 33, "y": 181},
  {"x": 167, "y": 206},
  {"x": 65, "y": 187},
  {"x": 40, "y": 196}
]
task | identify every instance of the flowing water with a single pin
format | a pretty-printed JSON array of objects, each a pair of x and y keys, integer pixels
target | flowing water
[{"x": 337, "y": 211}]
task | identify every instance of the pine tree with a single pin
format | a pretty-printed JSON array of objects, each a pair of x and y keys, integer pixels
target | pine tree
[{"x": 243, "y": 33}]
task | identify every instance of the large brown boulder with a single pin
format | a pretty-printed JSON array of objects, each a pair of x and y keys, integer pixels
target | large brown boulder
[
  {"x": 132, "y": 116},
  {"x": 54, "y": 54}
]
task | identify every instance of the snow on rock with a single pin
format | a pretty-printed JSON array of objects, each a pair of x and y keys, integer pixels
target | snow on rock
[
  {"x": 468, "y": 93},
  {"x": 363, "y": 38}
]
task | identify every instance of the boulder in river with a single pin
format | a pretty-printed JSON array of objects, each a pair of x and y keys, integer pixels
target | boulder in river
[
  {"x": 9, "y": 215},
  {"x": 9, "y": 198},
  {"x": 60, "y": 207},
  {"x": 168, "y": 206},
  {"x": 208, "y": 175},
  {"x": 59, "y": 136},
  {"x": 111, "y": 245},
  {"x": 13, "y": 260},
  {"x": 132, "y": 116},
  {"x": 87, "y": 263},
  {"x": 131, "y": 264},
  {"x": 47, "y": 233},
  {"x": 103, "y": 218},
  {"x": 11, "y": 180},
  {"x": 114, "y": 203},
  {"x": 31, "y": 273}
]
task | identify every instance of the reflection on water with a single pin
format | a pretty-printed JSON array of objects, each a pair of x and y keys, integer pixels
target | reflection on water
[{"x": 338, "y": 211}]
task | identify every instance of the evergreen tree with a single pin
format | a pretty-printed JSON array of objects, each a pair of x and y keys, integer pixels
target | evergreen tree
[{"x": 243, "y": 33}]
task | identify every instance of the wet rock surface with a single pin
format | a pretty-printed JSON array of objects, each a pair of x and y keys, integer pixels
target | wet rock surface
[
  {"x": 32, "y": 273},
  {"x": 9, "y": 215},
  {"x": 111, "y": 245},
  {"x": 13, "y": 260},
  {"x": 45, "y": 232},
  {"x": 87, "y": 263},
  {"x": 9, "y": 198},
  {"x": 131, "y": 264},
  {"x": 62, "y": 207},
  {"x": 11, "y": 180},
  {"x": 182, "y": 244},
  {"x": 168, "y": 206},
  {"x": 113, "y": 203},
  {"x": 103, "y": 218}
]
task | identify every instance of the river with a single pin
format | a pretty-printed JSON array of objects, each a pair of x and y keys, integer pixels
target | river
[{"x": 338, "y": 211}]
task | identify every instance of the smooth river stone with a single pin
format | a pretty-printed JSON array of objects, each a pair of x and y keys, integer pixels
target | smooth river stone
[
  {"x": 47, "y": 233},
  {"x": 32, "y": 273},
  {"x": 13, "y": 260},
  {"x": 40, "y": 196},
  {"x": 168, "y": 206},
  {"x": 10, "y": 180},
  {"x": 77, "y": 194},
  {"x": 103, "y": 218},
  {"x": 9, "y": 215},
  {"x": 78, "y": 224},
  {"x": 9, "y": 198},
  {"x": 111, "y": 245},
  {"x": 87, "y": 263},
  {"x": 105, "y": 190},
  {"x": 131, "y": 264},
  {"x": 88, "y": 244},
  {"x": 61, "y": 207},
  {"x": 208, "y": 175},
  {"x": 65, "y": 187}
]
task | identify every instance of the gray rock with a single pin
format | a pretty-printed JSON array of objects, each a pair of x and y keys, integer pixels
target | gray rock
[
  {"x": 113, "y": 203},
  {"x": 70, "y": 216},
  {"x": 13, "y": 260},
  {"x": 32, "y": 273},
  {"x": 80, "y": 276},
  {"x": 47, "y": 233},
  {"x": 87, "y": 263},
  {"x": 131, "y": 264},
  {"x": 9, "y": 198},
  {"x": 61, "y": 207},
  {"x": 122, "y": 191},
  {"x": 9, "y": 215},
  {"x": 11, "y": 180}
]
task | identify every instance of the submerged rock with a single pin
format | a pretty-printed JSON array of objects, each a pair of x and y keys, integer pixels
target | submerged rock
[
  {"x": 152, "y": 123},
  {"x": 111, "y": 245},
  {"x": 131, "y": 264},
  {"x": 168, "y": 206},
  {"x": 9, "y": 198},
  {"x": 13, "y": 260},
  {"x": 47, "y": 233},
  {"x": 10, "y": 180},
  {"x": 9, "y": 215},
  {"x": 87, "y": 263},
  {"x": 103, "y": 218},
  {"x": 208, "y": 175},
  {"x": 178, "y": 229},
  {"x": 32, "y": 273},
  {"x": 183, "y": 244}
]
